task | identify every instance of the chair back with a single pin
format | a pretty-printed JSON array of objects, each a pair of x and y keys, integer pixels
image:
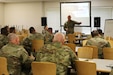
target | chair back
[
  {"x": 21, "y": 37},
  {"x": 3, "y": 66},
  {"x": 108, "y": 53},
  {"x": 95, "y": 51},
  {"x": 85, "y": 52},
  {"x": 77, "y": 33},
  {"x": 71, "y": 38},
  {"x": 71, "y": 45},
  {"x": 84, "y": 42},
  {"x": 108, "y": 38},
  {"x": 85, "y": 68},
  {"x": 37, "y": 44},
  {"x": 43, "y": 68},
  {"x": 111, "y": 43}
]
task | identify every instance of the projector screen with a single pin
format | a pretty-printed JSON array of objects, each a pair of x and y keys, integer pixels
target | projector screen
[{"x": 79, "y": 11}]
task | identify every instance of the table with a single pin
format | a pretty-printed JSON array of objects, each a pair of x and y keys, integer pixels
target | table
[
  {"x": 102, "y": 65},
  {"x": 80, "y": 39}
]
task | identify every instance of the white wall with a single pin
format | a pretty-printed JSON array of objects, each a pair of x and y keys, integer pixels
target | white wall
[
  {"x": 23, "y": 15},
  {"x": 52, "y": 12},
  {"x": 103, "y": 3},
  {"x": 1, "y": 14},
  {"x": 29, "y": 14},
  {"x": 104, "y": 13},
  {"x": 103, "y": 9}
]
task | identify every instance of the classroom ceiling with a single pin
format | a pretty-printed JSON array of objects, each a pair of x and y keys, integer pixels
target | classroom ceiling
[{"x": 5, "y": 1}]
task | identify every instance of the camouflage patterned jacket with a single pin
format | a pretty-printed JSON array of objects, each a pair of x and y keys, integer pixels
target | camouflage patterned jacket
[
  {"x": 70, "y": 25},
  {"x": 47, "y": 36},
  {"x": 55, "y": 52},
  {"x": 27, "y": 42},
  {"x": 100, "y": 43},
  {"x": 111, "y": 73},
  {"x": 3, "y": 40},
  {"x": 16, "y": 55}
]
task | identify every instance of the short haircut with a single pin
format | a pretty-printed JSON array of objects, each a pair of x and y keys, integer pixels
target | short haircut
[
  {"x": 31, "y": 29},
  {"x": 94, "y": 33},
  {"x": 69, "y": 16},
  {"x": 4, "y": 31},
  {"x": 99, "y": 31},
  {"x": 6, "y": 27},
  {"x": 59, "y": 37},
  {"x": 12, "y": 36},
  {"x": 12, "y": 29}
]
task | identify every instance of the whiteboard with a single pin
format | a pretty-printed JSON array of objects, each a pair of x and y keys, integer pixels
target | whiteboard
[
  {"x": 79, "y": 11},
  {"x": 108, "y": 28}
]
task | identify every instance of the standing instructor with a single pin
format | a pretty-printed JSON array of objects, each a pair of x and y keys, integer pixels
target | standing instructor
[{"x": 69, "y": 25}]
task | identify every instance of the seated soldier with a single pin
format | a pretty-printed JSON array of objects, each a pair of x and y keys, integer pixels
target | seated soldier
[
  {"x": 96, "y": 40},
  {"x": 47, "y": 35},
  {"x": 3, "y": 37},
  {"x": 57, "y": 53},
  {"x": 16, "y": 55},
  {"x": 27, "y": 42}
]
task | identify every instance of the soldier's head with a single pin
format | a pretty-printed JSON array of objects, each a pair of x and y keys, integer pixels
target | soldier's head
[
  {"x": 13, "y": 38},
  {"x": 94, "y": 33},
  {"x": 4, "y": 31},
  {"x": 12, "y": 30},
  {"x": 100, "y": 31},
  {"x": 7, "y": 27},
  {"x": 59, "y": 37},
  {"x": 69, "y": 17},
  {"x": 32, "y": 30}
]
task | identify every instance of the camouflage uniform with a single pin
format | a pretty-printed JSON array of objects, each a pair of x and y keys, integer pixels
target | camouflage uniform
[
  {"x": 47, "y": 36},
  {"x": 63, "y": 56},
  {"x": 27, "y": 42},
  {"x": 100, "y": 43},
  {"x": 3, "y": 40},
  {"x": 102, "y": 36},
  {"x": 70, "y": 25},
  {"x": 111, "y": 73},
  {"x": 16, "y": 55}
]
